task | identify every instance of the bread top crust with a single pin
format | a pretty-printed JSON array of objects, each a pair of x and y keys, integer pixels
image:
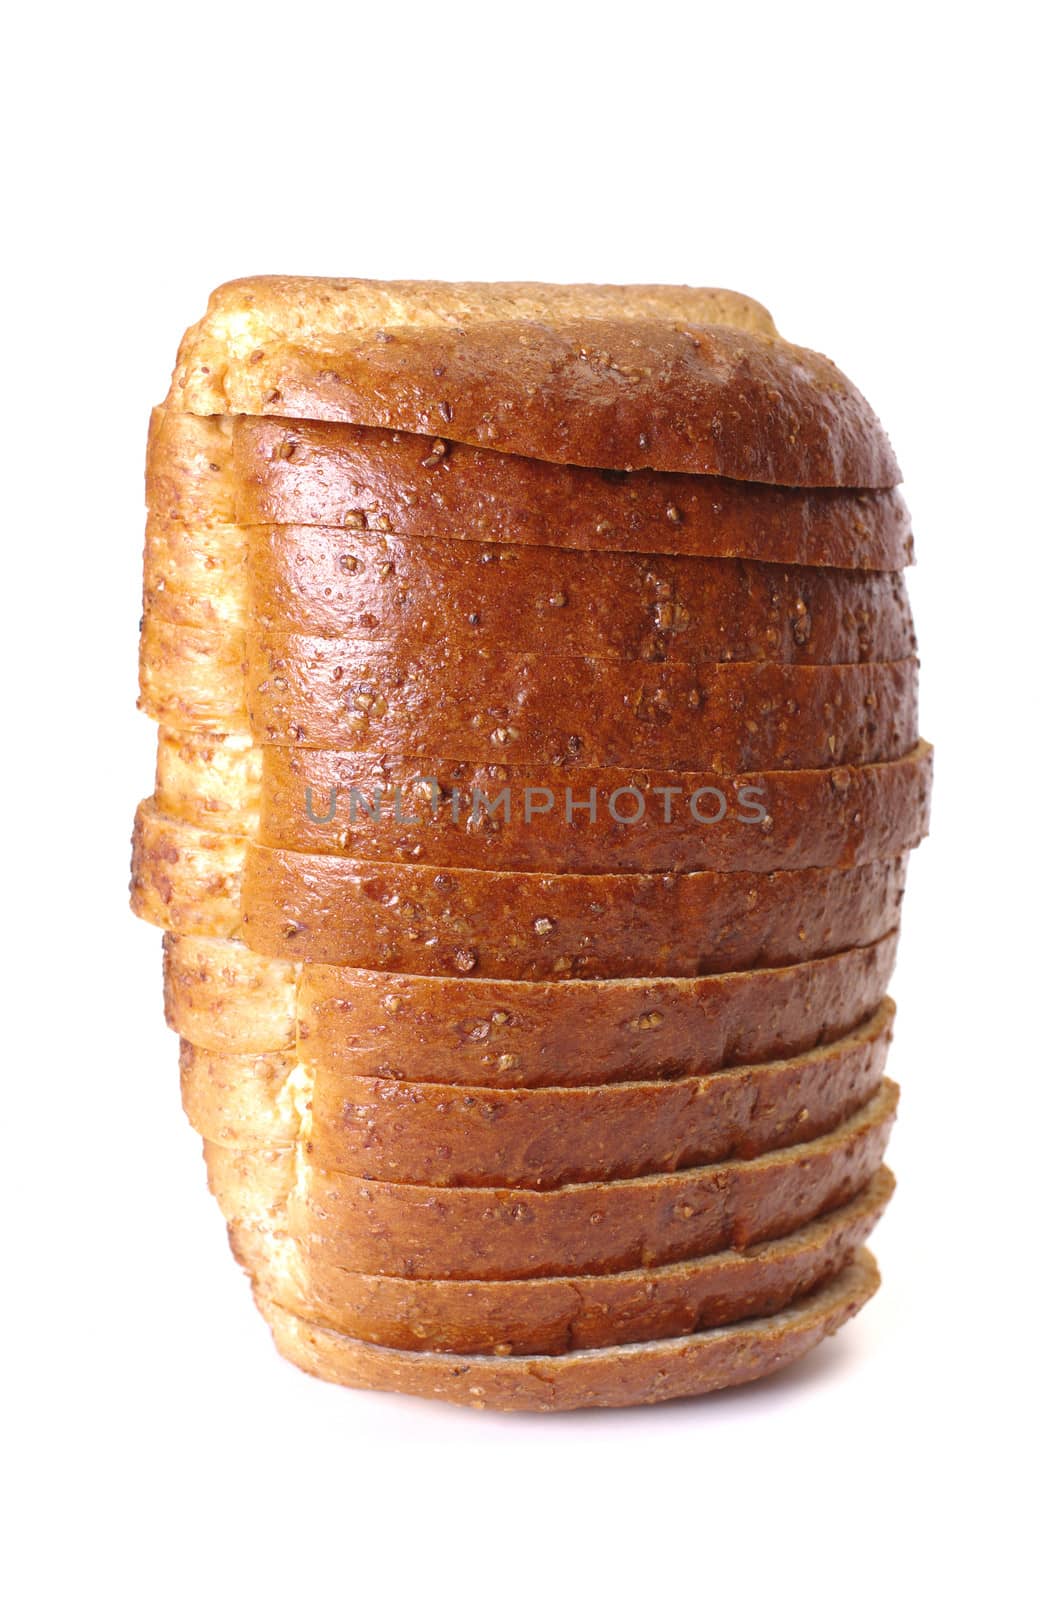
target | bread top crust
[{"x": 672, "y": 379}]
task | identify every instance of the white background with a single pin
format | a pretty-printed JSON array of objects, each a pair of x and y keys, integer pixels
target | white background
[{"x": 882, "y": 178}]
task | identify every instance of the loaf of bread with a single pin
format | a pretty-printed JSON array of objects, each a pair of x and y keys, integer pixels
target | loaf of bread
[{"x": 537, "y": 771}]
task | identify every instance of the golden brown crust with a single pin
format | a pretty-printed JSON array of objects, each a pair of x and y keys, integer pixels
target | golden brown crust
[
  {"x": 545, "y": 1138},
  {"x": 549, "y": 1316},
  {"x": 339, "y": 1164},
  {"x": 834, "y": 817},
  {"x": 440, "y": 1134},
  {"x": 246, "y": 313},
  {"x": 413, "y": 1231},
  {"x": 477, "y": 705},
  {"x": 427, "y": 591},
  {"x": 335, "y": 475},
  {"x": 565, "y": 383},
  {"x": 469, "y": 705},
  {"x": 225, "y": 998},
  {"x": 401, "y": 918},
  {"x": 583, "y": 1031},
  {"x": 633, "y": 1374}
]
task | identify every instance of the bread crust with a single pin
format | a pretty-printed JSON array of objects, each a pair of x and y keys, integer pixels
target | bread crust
[
  {"x": 414, "y": 1231},
  {"x": 583, "y": 1031},
  {"x": 248, "y": 312},
  {"x": 532, "y": 1138},
  {"x": 473, "y": 705},
  {"x": 208, "y": 473},
  {"x": 440, "y": 1134},
  {"x": 546, "y": 1315},
  {"x": 426, "y": 592},
  {"x": 460, "y": 921},
  {"x": 334, "y": 475},
  {"x": 302, "y": 800},
  {"x": 394, "y": 917},
  {"x": 225, "y": 998},
  {"x": 633, "y": 1374},
  {"x": 621, "y": 396},
  {"x": 572, "y": 385},
  {"x": 550, "y": 1316},
  {"x": 469, "y": 705},
  {"x": 828, "y": 817}
]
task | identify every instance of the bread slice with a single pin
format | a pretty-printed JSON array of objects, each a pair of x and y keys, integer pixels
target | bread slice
[
  {"x": 206, "y": 473},
  {"x": 333, "y": 475},
  {"x": 195, "y": 576},
  {"x": 440, "y": 1134},
  {"x": 400, "y": 918},
  {"x": 186, "y": 879},
  {"x": 189, "y": 472},
  {"x": 302, "y": 800},
  {"x": 586, "y": 380},
  {"x": 343, "y": 583},
  {"x": 545, "y": 1138},
  {"x": 611, "y": 602},
  {"x": 537, "y": 926},
  {"x": 248, "y": 312},
  {"x": 631, "y": 1374},
  {"x": 193, "y": 679},
  {"x": 294, "y": 799},
  {"x": 418, "y": 1231},
  {"x": 210, "y": 780},
  {"x": 483, "y": 1031},
  {"x": 252, "y": 1100},
  {"x": 224, "y": 998},
  {"x": 471, "y": 705},
  {"x": 295, "y": 689},
  {"x": 549, "y": 1316},
  {"x": 327, "y": 802}
]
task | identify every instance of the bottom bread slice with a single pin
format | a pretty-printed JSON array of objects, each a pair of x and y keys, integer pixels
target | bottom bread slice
[{"x": 624, "y": 1375}]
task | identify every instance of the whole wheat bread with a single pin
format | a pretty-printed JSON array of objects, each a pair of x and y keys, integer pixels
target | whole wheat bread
[{"x": 593, "y": 377}]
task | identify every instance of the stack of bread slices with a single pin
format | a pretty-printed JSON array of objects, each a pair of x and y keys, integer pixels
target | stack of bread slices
[{"x": 537, "y": 772}]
